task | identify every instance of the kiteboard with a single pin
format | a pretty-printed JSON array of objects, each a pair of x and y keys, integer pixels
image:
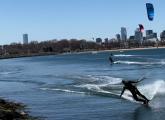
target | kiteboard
[
  {"x": 129, "y": 97},
  {"x": 126, "y": 96}
]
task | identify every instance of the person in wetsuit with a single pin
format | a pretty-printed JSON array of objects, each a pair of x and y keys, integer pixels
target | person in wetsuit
[
  {"x": 111, "y": 59},
  {"x": 129, "y": 85}
]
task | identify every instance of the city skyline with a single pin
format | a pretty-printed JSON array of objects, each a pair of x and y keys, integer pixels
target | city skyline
[
  {"x": 58, "y": 19},
  {"x": 138, "y": 36}
]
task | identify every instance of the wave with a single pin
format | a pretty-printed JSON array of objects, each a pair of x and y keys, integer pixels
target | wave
[
  {"x": 94, "y": 52},
  {"x": 24, "y": 81},
  {"x": 124, "y": 55},
  {"x": 104, "y": 79},
  {"x": 5, "y": 73},
  {"x": 139, "y": 63},
  {"x": 107, "y": 86},
  {"x": 149, "y": 90},
  {"x": 62, "y": 90},
  {"x": 93, "y": 79},
  {"x": 128, "y": 55},
  {"x": 153, "y": 89},
  {"x": 112, "y": 89}
]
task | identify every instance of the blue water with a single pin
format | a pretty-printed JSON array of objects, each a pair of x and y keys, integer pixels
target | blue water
[{"x": 82, "y": 86}]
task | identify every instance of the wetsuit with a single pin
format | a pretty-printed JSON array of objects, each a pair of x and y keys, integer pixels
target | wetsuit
[
  {"x": 110, "y": 59},
  {"x": 133, "y": 89}
]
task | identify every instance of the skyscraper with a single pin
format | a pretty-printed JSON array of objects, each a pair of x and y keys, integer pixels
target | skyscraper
[
  {"x": 123, "y": 34},
  {"x": 25, "y": 38},
  {"x": 138, "y": 35}
]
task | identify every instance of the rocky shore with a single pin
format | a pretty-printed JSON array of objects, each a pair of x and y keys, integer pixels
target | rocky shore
[{"x": 13, "y": 111}]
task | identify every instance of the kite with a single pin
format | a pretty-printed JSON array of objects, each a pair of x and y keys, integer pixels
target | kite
[{"x": 150, "y": 11}]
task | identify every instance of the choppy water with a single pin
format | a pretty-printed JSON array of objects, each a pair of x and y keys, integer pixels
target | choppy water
[{"x": 82, "y": 86}]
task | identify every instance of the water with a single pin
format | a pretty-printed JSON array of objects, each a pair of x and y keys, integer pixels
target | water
[{"x": 84, "y": 86}]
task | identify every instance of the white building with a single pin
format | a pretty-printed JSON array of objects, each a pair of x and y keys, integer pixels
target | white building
[
  {"x": 25, "y": 38},
  {"x": 123, "y": 34}
]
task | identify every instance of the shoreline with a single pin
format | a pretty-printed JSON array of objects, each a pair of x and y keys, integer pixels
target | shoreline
[
  {"x": 132, "y": 49},
  {"x": 117, "y": 50},
  {"x": 28, "y": 55},
  {"x": 80, "y": 52},
  {"x": 14, "y": 111}
]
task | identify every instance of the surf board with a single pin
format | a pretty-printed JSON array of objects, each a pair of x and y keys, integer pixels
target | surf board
[{"x": 129, "y": 97}]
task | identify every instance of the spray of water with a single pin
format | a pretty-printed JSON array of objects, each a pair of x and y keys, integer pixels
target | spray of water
[{"x": 153, "y": 89}]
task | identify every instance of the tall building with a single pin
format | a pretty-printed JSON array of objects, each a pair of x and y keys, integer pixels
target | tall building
[
  {"x": 123, "y": 34},
  {"x": 25, "y": 38},
  {"x": 138, "y": 35},
  {"x": 118, "y": 37},
  {"x": 162, "y": 36}
]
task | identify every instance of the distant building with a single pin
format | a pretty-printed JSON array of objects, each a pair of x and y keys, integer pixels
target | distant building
[
  {"x": 112, "y": 40},
  {"x": 106, "y": 40},
  {"x": 155, "y": 35},
  {"x": 25, "y": 38},
  {"x": 138, "y": 35},
  {"x": 149, "y": 32},
  {"x": 132, "y": 38},
  {"x": 118, "y": 37},
  {"x": 151, "y": 36},
  {"x": 144, "y": 38},
  {"x": 123, "y": 34},
  {"x": 98, "y": 41},
  {"x": 162, "y": 36}
]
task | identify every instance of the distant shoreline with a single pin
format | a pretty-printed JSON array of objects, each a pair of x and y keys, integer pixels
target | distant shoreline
[
  {"x": 28, "y": 55},
  {"x": 79, "y": 52},
  {"x": 131, "y": 49},
  {"x": 118, "y": 50}
]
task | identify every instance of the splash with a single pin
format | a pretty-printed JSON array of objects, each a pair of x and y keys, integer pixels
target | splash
[
  {"x": 162, "y": 62},
  {"x": 149, "y": 90},
  {"x": 139, "y": 63},
  {"x": 108, "y": 79},
  {"x": 100, "y": 81},
  {"x": 62, "y": 90},
  {"x": 153, "y": 89},
  {"x": 123, "y": 55},
  {"x": 96, "y": 79},
  {"x": 129, "y": 62}
]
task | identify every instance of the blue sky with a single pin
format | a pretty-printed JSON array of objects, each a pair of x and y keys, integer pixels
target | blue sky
[{"x": 57, "y": 19}]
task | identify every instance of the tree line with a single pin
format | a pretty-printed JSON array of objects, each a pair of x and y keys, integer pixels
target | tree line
[{"x": 73, "y": 45}]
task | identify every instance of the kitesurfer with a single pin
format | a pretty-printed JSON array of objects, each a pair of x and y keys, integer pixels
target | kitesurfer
[
  {"x": 111, "y": 58},
  {"x": 129, "y": 85}
]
